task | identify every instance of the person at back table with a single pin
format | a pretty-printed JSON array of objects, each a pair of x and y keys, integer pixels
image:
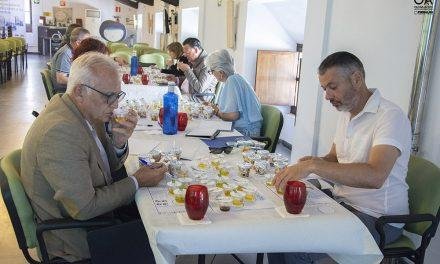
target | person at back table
[
  {"x": 175, "y": 50},
  {"x": 196, "y": 73},
  {"x": 69, "y": 158},
  {"x": 237, "y": 100},
  {"x": 62, "y": 59},
  {"x": 368, "y": 160}
]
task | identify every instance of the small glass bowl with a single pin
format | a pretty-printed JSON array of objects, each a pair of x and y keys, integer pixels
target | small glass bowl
[
  {"x": 179, "y": 196},
  {"x": 238, "y": 198},
  {"x": 224, "y": 203},
  {"x": 173, "y": 185},
  {"x": 244, "y": 169}
]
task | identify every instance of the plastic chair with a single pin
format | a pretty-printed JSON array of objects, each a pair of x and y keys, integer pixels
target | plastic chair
[
  {"x": 29, "y": 234},
  {"x": 5, "y": 61},
  {"x": 22, "y": 49},
  {"x": 112, "y": 46},
  {"x": 423, "y": 179},
  {"x": 47, "y": 81},
  {"x": 141, "y": 48},
  {"x": 153, "y": 59},
  {"x": 14, "y": 51},
  {"x": 272, "y": 124}
]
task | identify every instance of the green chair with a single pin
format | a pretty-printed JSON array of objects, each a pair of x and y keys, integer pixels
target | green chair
[
  {"x": 141, "y": 48},
  {"x": 272, "y": 124},
  {"x": 22, "y": 50},
  {"x": 29, "y": 234},
  {"x": 14, "y": 49},
  {"x": 152, "y": 59},
  {"x": 112, "y": 46},
  {"x": 165, "y": 55},
  {"x": 423, "y": 179},
  {"x": 47, "y": 81},
  {"x": 5, "y": 61},
  {"x": 152, "y": 50}
]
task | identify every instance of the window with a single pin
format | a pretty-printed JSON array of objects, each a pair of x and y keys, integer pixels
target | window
[
  {"x": 28, "y": 15},
  {"x": 190, "y": 23}
]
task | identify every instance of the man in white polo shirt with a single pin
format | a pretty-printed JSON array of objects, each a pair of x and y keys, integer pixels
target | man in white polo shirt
[{"x": 368, "y": 160}]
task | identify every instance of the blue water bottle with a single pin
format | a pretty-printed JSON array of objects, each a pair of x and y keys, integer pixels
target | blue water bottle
[
  {"x": 170, "y": 109},
  {"x": 134, "y": 64}
]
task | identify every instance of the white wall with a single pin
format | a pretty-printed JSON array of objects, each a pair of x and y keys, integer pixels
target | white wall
[
  {"x": 387, "y": 46},
  {"x": 386, "y": 41},
  {"x": 263, "y": 31}
]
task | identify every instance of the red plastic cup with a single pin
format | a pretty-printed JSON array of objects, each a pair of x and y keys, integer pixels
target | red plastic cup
[
  {"x": 182, "y": 121},
  {"x": 196, "y": 201},
  {"x": 145, "y": 79},
  {"x": 140, "y": 70},
  {"x": 295, "y": 197},
  {"x": 126, "y": 78}
]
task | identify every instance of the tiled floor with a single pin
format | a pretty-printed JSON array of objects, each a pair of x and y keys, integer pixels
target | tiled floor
[{"x": 18, "y": 98}]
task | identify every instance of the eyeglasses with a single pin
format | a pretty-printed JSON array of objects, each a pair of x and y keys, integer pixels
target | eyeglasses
[
  {"x": 227, "y": 150},
  {"x": 111, "y": 97}
]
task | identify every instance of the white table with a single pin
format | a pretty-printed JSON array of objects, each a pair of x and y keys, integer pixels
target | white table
[
  {"x": 149, "y": 92},
  {"x": 340, "y": 233}
]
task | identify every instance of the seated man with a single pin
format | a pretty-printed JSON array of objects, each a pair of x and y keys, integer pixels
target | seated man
[
  {"x": 197, "y": 74},
  {"x": 368, "y": 160},
  {"x": 68, "y": 156},
  {"x": 62, "y": 59}
]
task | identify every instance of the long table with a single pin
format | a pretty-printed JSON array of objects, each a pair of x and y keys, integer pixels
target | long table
[
  {"x": 149, "y": 92},
  {"x": 328, "y": 228}
]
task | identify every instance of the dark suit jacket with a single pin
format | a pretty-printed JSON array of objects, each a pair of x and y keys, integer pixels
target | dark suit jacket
[
  {"x": 173, "y": 68},
  {"x": 63, "y": 176}
]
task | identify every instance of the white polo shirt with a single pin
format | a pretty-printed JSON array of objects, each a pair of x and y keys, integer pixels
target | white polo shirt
[{"x": 381, "y": 122}]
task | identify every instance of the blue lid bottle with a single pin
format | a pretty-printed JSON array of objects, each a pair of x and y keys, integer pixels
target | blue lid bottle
[
  {"x": 134, "y": 64},
  {"x": 170, "y": 110}
]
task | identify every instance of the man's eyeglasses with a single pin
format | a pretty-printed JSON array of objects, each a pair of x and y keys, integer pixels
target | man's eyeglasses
[
  {"x": 227, "y": 150},
  {"x": 111, "y": 97}
]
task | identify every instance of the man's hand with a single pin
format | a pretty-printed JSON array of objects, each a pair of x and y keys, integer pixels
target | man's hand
[
  {"x": 183, "y": 66},
  {"x": 123, "y": 129},
  {"x": 294, "y": 172},
  {"x": 151, "y": 175}
]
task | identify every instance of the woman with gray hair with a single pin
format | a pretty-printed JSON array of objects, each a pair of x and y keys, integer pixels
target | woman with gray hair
[{"x": 237, "y": 101}]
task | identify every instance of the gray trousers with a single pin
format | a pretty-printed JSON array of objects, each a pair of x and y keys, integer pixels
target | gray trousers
[{"x": 391, "y": 233}]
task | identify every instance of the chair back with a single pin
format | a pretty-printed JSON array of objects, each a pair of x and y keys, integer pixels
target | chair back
[
  {"x": 272, "y": 124},
  {"x": 217, "y": 91},
  {"x": 141, "y": 48},
  {"x": 47, "y": 81},
  {"x": 16, "y": 201},
  {"x": 112, "y": 46},
  {"x": 153, "y": 58},
  {"x": 423, "y": 179}
]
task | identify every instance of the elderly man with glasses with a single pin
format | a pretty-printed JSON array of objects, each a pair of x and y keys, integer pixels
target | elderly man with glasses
[{"x": 69, "y": 157}]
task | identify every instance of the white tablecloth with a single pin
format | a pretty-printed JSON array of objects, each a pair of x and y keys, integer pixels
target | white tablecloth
[
  {"x": 149, "y": 92},
  {"x": 339, "y": 233}
]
